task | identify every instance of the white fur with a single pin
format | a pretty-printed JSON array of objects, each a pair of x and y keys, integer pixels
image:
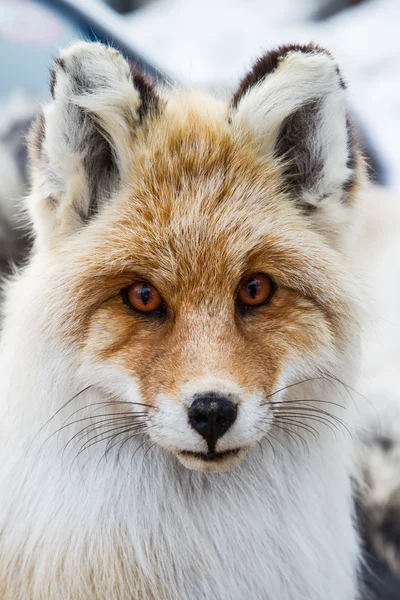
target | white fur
[{"x": 276, "y": 527}]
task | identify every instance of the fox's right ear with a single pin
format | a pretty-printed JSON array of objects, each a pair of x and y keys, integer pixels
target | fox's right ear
[
  {"x": 81, "y": 144},
  {"x": 293, "y": 105}
]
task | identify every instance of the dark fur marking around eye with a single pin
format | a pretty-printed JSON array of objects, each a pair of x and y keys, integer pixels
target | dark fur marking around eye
[{"x": 268, "y": 63}]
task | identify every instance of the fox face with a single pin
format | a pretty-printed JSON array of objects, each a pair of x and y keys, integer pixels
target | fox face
[{"x": 193, "y": 251}]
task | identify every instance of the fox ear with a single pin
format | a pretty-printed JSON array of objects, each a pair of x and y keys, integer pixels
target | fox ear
[
  {"x": 293, "y": 103},
  {"x": 81, "y": 144}
]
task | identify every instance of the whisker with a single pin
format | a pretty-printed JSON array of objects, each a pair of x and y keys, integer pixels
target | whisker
[
  {"x": 57, "y": 412},
  {"x": 102, "y": 435},
  {"x": 108, "y": 403},
  {"x": 260, "y": 445},
  {"x": 267, "y": 440},
  {"x": 306, "y": 408},
  {"x": 346, "y": 385},
  {"x": 282, "y": 402},
  {"x": 302, "y": 412},
  {"x": 65, "y": 425},
  {"x": 322, "y": 415},
  {"x": 88, "y": 445},
  {"x": 147, "y": 451},
  {"x": 295, "y": 417},
  {"x": 349, "y": 388},
  {"x": 137, "y": 449},
  {"x": 274, "y": 424},
  {"x": 110, "y": 446},
  {"x": 326, "y": 376},
  {"x": 291, "y": 433},
  {"x": 126, "y": 415},
  {"x": 269, "y": 434},
  {"x": 97, "y": 441},
  {"x": 92, "y": 427},
  {"x": 127, "y": 439},
  {"x": 287, "y": 387},
  {"x": 309, "y": 428}
]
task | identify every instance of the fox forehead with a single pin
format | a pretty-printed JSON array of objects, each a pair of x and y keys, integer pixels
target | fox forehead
[
  {"x": 193, "y": 173},
  {"x": 198, "y": 210},
  {"x": 199, "y": 193}
]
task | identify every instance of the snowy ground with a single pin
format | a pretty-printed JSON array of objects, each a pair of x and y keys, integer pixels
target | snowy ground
[{"x": 211, "y": 42}]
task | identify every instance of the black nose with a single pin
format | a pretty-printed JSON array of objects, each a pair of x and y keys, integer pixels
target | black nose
[{"x": 211, "y": 415}]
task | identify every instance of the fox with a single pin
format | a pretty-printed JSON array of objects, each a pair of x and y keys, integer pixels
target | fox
[{"x": 181, "y": 352}]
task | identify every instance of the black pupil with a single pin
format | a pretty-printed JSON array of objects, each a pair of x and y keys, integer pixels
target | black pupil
[
  {"x": 252, "y": 288},
  {"x": 145, "y": 294}
]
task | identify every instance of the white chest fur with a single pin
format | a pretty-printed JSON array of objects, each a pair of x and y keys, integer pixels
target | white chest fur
[{"x": 279, "y": 527}]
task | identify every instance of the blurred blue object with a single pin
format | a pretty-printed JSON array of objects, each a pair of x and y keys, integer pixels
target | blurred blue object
[{"x": 33, "y": 31}]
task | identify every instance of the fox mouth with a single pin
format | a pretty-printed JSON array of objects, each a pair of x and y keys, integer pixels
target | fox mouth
[
  {"x": 212, "y": 462},
  {"x": 211, "y": 456}
]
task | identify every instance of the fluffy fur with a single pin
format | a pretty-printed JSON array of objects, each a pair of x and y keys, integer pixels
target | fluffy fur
[{"x": 191, "y": 194}]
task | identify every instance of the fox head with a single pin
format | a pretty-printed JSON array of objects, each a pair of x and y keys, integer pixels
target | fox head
[{"x": 190, "y": 253}]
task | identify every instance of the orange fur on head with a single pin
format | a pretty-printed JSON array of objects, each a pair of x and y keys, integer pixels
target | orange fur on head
[
  {"x": 201, "y": 211},
  {"x": 198, "y": 197},
  {"x": 107, "y": 406}
]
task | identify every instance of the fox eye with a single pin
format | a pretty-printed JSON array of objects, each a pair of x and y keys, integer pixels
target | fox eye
[
  {"x": 142, "y": 297},
  {"x": 256, "y": 290}
]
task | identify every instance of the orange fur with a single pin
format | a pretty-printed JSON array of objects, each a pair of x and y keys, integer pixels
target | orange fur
[{"x": 201, "y": 211}]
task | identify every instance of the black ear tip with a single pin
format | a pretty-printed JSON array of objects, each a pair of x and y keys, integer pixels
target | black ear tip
[
  {"x": 52, "y": 82},
  {"x": 148, "y": 95},
  {"x": 59, "y": 63},
  {"x": 268, "y": 63}
]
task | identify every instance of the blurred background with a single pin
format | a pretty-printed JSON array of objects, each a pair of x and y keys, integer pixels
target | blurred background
[
  {"x": 203, "y": 43},
  {"x": 210, "y": 43},
  {"x": 207, "y": 43}
]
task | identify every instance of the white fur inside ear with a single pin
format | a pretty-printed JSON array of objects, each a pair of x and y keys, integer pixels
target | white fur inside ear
[{"x": 302, "y": 79}]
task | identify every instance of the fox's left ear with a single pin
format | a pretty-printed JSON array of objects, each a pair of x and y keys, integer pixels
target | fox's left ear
[
  {"x": 82, "y": 145},
  {"x": 293, "y": 104}
]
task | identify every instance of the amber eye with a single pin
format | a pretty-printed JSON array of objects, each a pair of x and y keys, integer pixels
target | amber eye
[
  {"x": 143, "y": 297},
  {"x": 256, "y": 290}
]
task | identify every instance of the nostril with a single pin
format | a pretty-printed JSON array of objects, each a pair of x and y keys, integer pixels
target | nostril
[{"x": 201, "y": 419}]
